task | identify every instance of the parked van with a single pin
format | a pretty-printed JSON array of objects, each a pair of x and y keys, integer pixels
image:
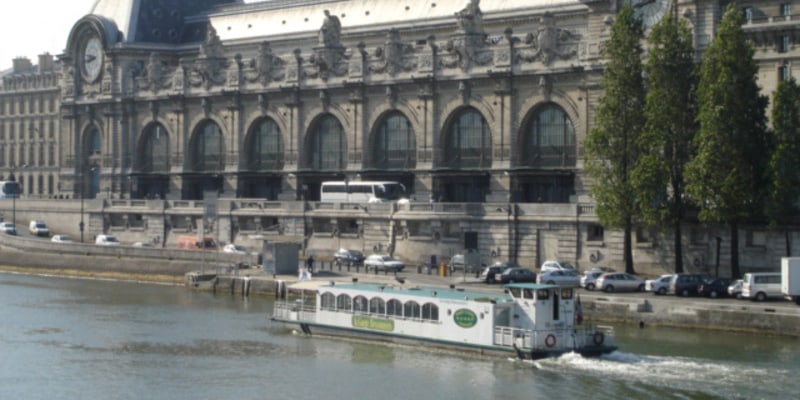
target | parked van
[
  {"x": 106, "y": 240},
  {"x": 191, "y": 242},
  {"x": 760, "y": 286},
  {"x": 38, "y": 228}
]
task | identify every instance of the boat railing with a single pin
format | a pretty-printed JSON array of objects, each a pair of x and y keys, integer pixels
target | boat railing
[
  {"x": 293, "y": 311},
  {"x": 560, "y": 337}
]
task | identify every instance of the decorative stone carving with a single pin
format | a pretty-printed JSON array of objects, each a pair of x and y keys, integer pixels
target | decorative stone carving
[
  {"x": 547, "y": 42},
  {"x": 328, "y": 59},
  {"x": 209, "y": 67},
  {"x": 266, "y": 67},
  {"x": 331, "y": 31},
  {"x": 467, "y": 47},
  {"x": 155, "y": 74},
  {"x": 392, "y": 58}
]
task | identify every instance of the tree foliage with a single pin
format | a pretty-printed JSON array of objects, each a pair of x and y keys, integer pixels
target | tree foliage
[
  {"x": 726, "y": 177},
  {"x": 613, "y": 144},
  {"x": 670, "y": 111},
  {"x": 784, "y": 165}
]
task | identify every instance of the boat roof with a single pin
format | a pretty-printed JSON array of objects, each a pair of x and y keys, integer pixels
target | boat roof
[
  {"x": 532, "y": 286},
  {"x": 421, "y": 291}
]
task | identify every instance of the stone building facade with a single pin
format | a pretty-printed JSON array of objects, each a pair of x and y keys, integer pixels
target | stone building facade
[{"x": 479, "y": 109}]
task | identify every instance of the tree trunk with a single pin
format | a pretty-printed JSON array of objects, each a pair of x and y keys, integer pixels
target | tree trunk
[
  {"x": 735, "y": 251},
  {"x": 628, "y": 247},
  {"x": 678, "y": 247}
]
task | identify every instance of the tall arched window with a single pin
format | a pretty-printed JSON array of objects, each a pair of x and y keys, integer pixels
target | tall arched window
[
  {"x": 549, "y": 139},
  {"x": 468, "y": 141},
  {"x": 93, "y": 142},
  {"x": 327, "y": 147},
  {"x": 411, "y": 310},
  {"x": 154, "y": 152},
  {"x": 207, "y": 148},
  {"x": 264, "y": 147},
  {"x": 394, "y": 146}
]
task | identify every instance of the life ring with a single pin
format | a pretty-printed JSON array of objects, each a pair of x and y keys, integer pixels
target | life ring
[
  {"x": 598, "y": 338},
  {"x": 593, "y": 257},
  {"x": 550, "y": 341}
]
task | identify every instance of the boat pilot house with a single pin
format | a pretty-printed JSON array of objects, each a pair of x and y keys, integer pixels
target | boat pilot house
[{"x": 531, "y": 320}]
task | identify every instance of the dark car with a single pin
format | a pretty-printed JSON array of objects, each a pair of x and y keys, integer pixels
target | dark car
[
  {"x": 348, "y": 257},
  {"x": 715, "y": 288},
  {"x": 513, "y": 275},
  {"x": 686, "y": 284},
  {"x": 491, "y": 274}
]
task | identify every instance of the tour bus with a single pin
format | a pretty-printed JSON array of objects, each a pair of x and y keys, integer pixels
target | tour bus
[
  {"x": 361, "y": 192},
  {"x": 9, "y": 189}
]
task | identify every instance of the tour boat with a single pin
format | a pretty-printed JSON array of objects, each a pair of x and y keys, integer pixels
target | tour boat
[{"x": 529, "y": 321}]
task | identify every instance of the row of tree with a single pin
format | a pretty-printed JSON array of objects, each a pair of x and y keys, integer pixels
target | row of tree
[{"x": 672, "y": 136}]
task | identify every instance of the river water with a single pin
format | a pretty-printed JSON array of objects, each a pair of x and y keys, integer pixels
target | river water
[{"x": 83, "y": 339}]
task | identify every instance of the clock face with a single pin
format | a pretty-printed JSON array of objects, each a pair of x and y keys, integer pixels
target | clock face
[
  {"x": 650, "y": 11},
  {"x": 92, "y": 59}
]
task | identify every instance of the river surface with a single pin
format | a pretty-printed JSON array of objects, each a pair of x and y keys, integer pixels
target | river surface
[{"x": 83, "y": 339}]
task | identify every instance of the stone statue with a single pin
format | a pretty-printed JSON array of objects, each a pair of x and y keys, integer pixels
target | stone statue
[
  {"x": 331, "y": 30},
  {"x": 470, "y": 18}
]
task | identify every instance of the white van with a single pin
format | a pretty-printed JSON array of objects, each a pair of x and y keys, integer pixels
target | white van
[
  {"x": 760, "y": 286},
  {"x": 361, "y": 192},
  {"x": 38, "y": 228}
]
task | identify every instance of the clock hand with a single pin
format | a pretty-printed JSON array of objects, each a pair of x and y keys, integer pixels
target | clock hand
[{"x": 89, "y": 58}]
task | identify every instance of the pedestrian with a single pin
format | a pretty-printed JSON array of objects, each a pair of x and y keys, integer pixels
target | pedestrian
[{"x": 310, "y": 263}]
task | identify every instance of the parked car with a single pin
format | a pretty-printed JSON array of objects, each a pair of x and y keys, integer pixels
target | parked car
[
  {"x": 686, "y": 284},
  {"x": 619, "y": 282},
  {"x": 560, "y": 277},
  {"x": 714, "y": 287},
  {"x": 38, "y": 228},
  {"x": 491, "y": 274},
  {"x": 517, "y": 274},
  {"x": 61, "y": 239},
  {"x": 589, "y": 279},
  {"x": 348, "y": 257},
  {"x": 383, "y": 262},
  {"x": 735, "y": 289},
  {"x": 459, "y": 262},
  {"x": 234, "y": 249},
  {"x": 142, "y": 244},
  {"x": 106, "y": 240},
  {"x": 659, "y": 285},
  {"x": 8, "y": 228},
  {"x": 556, "y": 266},
  {"x": 760, "y": 286}
]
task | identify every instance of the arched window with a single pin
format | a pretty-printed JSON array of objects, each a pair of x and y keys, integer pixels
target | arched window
[
  {"x": 327, "y": 147},
  {"x": 344, "y": 303},
  {"x": 430, "y": 312},
  {"x": 411, "y": 310},
  {"x": 549, "y": 139},
  {"x": 377, "y": 306},
  {"x": 394, "y": 307},
  {"x": 468, "y": 141},
  {"x": 154, "y": 152},
  {"x": 360, "y": 304},
  {"x": 207, "y": 148},
  {"x": 264, "y": 147},
  {"x": 328, "y": 301},
  {"x": 394, "y": 146},
  {"x": 93, "y": 142}
]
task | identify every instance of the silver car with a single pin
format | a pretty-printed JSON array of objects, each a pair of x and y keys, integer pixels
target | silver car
[
  {"x": 620, "y": 281},
  {"x": 659, "y": 285}
]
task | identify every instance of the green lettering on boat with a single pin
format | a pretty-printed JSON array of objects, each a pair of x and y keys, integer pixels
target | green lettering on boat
[
  {"x": 465, "y": 318},
  {"x": 373, "y": 323}
]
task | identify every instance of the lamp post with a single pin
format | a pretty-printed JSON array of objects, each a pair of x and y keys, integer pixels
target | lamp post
[
  {"x": 15, "y": 195},
  {"x": 81, "y": 225}
]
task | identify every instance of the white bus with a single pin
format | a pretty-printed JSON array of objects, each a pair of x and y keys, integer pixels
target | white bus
[{"x": 361, "y": 192}]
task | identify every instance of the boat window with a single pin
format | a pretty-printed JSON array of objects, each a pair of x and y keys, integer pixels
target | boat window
[
  {"x": 377, "y": 306},
  {"x": 542, "y": 294},
  {"x": 328, "y": 301},
  {"x": 394, "y": 307},
  {"x": 515, "y": 292},
  {"x": 411, "y": 310},
  {"x": 360, "y": 304},
  {"x": 527, "y": 294},
  {"x": 556, "y": 310},
  {"x": 566, "y": 293},
  {"x": 344, "y": 303},
  {"x": 430, "y": 312}
]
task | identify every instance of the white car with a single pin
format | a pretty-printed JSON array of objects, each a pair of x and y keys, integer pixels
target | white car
[
  {"x": 106, "y": 240},
  {"x": 8, "y": 227},
  {"x": 378, "y": 262},
  {"x": 142, "y": 244},
  {"x": 589, "y": 279},
  {"x": 560, "y": 277},
  {"x": 61, "y": 239},
  {"x": 234, "y": 249},
  {"x": 620, "y": 281},
  {"x": 659, "y": 285},
  {"x": 557, "y": 266}
]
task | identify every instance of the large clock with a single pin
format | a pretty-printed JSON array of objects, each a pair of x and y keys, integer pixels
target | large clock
[
  {"x": 649, "y": 11},
  {"x": 91, "y": 58}
]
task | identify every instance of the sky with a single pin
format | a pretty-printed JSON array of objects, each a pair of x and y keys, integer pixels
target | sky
[{"x": 32, "y": 27}]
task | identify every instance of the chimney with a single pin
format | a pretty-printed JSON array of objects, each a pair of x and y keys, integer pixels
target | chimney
[
  {"x": 22, "y": 65},
  {"x": 46, "y": 63}
]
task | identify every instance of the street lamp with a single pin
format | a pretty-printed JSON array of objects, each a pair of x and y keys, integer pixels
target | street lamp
[
  {"x": 15, "y": 195},
  {"x": 83, "y": 193}
]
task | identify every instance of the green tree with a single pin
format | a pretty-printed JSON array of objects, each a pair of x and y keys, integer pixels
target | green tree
[
  {"x": 670, "y": 110},
  {"x": 612, "y": 146},
  {"x": 728, "y": 174},
  {"x": 784, "y": 165}
]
